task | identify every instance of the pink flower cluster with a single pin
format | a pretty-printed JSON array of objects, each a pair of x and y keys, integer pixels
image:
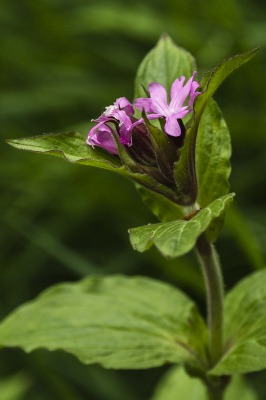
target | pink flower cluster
[{"x": 155, "y": 106}]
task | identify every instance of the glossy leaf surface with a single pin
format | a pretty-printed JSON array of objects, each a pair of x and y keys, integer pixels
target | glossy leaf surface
[
  {"x": 69, "y": 145},
  {"x": 73, "y": 148},
  {"x": 213, "y": 152},
  {"x": 117, "y": 321},
  {"x": 213, "y": 167},
  {"x": 178, "y": 237}
]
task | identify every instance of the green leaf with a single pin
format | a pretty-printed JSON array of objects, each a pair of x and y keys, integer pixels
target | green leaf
[
  {"x": 245, "y": 327},
  {"x": 119, "y": 322},
  {"x": 69, "y": 145},
  {"x": 213, "y": 167},
  {"x": 163, "y": 64},
  {"x": 213, "y": 152},
  {"x": 164, "y": 209},
  {"x": 185, "y": 169},
  {"x": 176, "y": 238},
  {"x": 176, "y": 384},
  {"x": 73, "y": 148}
]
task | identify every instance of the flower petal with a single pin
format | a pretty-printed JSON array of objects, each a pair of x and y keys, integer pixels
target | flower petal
[
  {"x": 182, "y": 112},
  {"x": 172, "y": 127},
  {"x": 144, "y": 102},
  {"x": 193, "y": 94},
  {"x": 177, "y": 86},
  {"x": 180, "y": 97},
  {"x": 124, "y": 104},
  {"x": 103, "y": 138},
  {"x": 159, "y": 98},
  {"x": 125, "y": 127},
  {"x": 150, "y": 116},
  {"x": 94, "y": 129}
]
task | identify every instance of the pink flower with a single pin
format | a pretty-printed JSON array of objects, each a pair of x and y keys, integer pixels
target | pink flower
[
  {"x": 101, "y": 134},
  {"x": 158, "y": 105}
]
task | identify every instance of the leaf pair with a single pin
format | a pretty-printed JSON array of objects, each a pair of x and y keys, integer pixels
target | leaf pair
[{"x": 136, "y": 323}]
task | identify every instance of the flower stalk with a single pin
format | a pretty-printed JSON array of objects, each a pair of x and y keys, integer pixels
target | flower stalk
[{"x": 214, "y": 286}]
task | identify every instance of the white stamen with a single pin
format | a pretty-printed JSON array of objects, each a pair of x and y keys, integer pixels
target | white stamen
[{"x": 109, "y": 110}]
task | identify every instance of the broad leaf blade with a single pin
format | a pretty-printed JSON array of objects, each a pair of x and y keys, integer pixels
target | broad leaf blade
[
  {"x": 245, "y": 327},
  {"x": 213, "y": 167},
  {"x": 73, "y": 148},
  {"x": 185, "y": 169},
  {"x": 176, "y": 384},
  {"x": 176, "y": 238},
  {"x": 69, "y": 145},
  {"x": 212, "y": 155},
  {"x": 117, "y": 321}
]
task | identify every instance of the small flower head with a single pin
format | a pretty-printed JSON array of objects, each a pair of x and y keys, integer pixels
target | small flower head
[
  {"x": 144, "y": 149},
  {"x": 157, "y": 106},
  {"x": 100, "y": 135}
]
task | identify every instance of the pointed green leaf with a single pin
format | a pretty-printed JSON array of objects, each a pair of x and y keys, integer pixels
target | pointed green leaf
[
  {"x": 185, "y": 169},
  {"x": 119, "y": 322},
  {"x": 213, "y": 152},
  {"x": 163, "y": 64},
  {"x": 245, "y": 327},
  {"x": 73, "y": 148},
  {"x": 176, "y": 238},
  {"x": 213, "y": 167},
  {"x": 176, "y": 384},
  {"x": 70, "y": 145},
  {"x": 164, "y": 209}
]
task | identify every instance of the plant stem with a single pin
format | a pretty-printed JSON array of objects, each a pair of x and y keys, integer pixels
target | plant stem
[{"x": 214, "y": 287}]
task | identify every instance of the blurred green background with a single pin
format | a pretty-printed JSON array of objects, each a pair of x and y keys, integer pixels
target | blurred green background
[{"x": 61, "y": 63}]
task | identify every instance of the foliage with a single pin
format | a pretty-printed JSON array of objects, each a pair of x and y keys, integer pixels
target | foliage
[
  {"x": 245, "y": 327},
  {"x": 60, "y": 63},
  {"x": 176, "y": 238},
  {"x": 112, "y": 321}
]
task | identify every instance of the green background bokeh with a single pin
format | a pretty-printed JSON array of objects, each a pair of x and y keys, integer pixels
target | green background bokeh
[{"x": 61, "y": 63}]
